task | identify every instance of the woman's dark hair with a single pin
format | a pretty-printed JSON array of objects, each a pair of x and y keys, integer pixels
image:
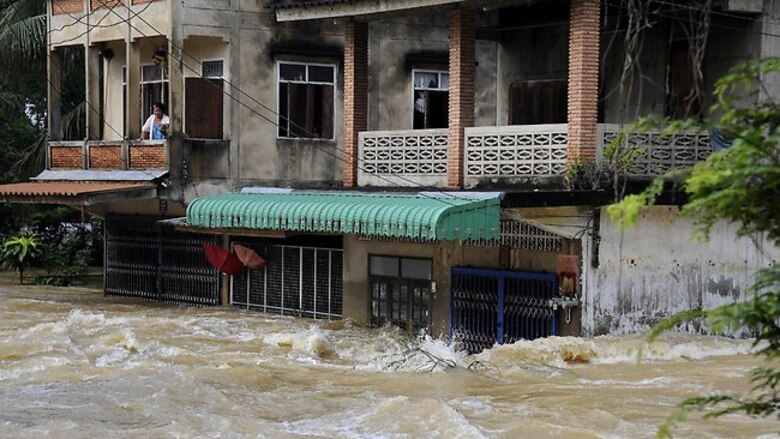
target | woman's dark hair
[{"x": 161, "y": 106}]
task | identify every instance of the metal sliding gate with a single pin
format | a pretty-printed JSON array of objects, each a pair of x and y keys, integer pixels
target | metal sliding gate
[
  {"x": 494, "y": 306},
  {"x": 148, "y": 260},
  {"x": 299, "y": 281}
]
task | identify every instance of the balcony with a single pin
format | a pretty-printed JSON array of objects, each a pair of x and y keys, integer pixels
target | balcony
[
  {"x": 403, "y": 158},
  {"x": 662, "y": 153},
  {"x": 509, "y": 155},
  {"x": 107, "y": 155}
]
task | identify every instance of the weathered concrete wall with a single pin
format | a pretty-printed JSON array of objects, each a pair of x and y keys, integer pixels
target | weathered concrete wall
[
  {"x": 109, "y": 25},
  {"x": 357, "y": 297},
  {"x": 401, "y": 44},
  {"x": 656, "y": 268},
  {"x": 730, "y": 42},
  {"x": 244, "y": 35},
  {"x": 257, "y": 157},
  {"x": 390, "y": 42}
]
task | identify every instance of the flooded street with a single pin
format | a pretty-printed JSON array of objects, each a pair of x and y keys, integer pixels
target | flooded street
[{"x": 74, "y": 364}]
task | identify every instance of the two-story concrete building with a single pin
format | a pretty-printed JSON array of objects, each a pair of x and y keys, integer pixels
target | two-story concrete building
[{"x": 396, "y": 162}]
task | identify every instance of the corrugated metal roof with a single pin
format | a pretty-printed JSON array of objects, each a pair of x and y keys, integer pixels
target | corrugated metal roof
[
  {"x": 66, "y": 189},
  {"x": 90, "y": 175},
  {"x": 414, "y": 216}
]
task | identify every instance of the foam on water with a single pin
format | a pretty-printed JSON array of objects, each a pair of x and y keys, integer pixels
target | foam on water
[{"x": 565, "y": 351}]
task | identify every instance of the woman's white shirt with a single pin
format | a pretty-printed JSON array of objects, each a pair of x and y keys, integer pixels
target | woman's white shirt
[{"x": 147, "y": 128}]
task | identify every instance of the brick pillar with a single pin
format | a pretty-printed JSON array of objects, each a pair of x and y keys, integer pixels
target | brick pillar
[
  {"x": 584, "y": 27},
  {"x": 355, "y": 96},
  {"x": 461, "y": 105}
]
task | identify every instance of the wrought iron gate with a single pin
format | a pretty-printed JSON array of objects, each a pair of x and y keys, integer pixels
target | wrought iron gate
[
  {"x": 494, "y": 306},
  {"x": 299, "y": 281},
  {"x": 152, "y": 261}
]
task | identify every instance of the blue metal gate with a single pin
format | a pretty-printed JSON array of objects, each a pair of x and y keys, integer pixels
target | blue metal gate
[{"x": 495, "y": 306}]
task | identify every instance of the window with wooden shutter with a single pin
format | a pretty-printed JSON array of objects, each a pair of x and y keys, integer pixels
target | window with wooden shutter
[
  {"x": 537, "y": 102},
  {"x": 305, "y": 105},
  {"x": 204, "y": 107}
]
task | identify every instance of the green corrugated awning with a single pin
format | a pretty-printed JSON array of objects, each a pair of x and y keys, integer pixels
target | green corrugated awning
[{"x": 415, "y": 216}]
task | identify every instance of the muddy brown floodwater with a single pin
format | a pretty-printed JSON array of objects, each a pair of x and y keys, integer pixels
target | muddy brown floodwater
[{"x": 74, "y": 364}]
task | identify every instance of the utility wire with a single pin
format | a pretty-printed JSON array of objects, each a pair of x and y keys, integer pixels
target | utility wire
[
  {"x": 88, "y": 105},
  {"x": 276, "y": 124}
]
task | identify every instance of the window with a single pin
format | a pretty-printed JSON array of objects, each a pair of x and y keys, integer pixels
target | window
[
  {"x": 204, "y": 102},
  {"x": 212, "y": 69},
  {"x": 306, "y": 104},
  {"x": 430, "y": 99},
  {"x": 154, "y": 88},
  {"x": 400, "y": 291},
  {"x": 536, "y": 102}
]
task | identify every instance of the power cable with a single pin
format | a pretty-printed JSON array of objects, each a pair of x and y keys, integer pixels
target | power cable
[
  {"x": 88, "y": 105},
  {"x": 292, "y": 123}
]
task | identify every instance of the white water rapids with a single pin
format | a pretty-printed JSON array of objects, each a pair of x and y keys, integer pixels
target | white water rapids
[{"x": 76, "y": 365}]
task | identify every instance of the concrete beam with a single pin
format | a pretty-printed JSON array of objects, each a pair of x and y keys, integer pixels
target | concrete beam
[{"x": 353, "y": 9}]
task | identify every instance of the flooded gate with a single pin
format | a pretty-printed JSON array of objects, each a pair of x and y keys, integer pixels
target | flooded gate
[
  {"x": 148, "y": 260},
  {"x": 495, "y": 306},
  {"x": 296, "y": 280}
]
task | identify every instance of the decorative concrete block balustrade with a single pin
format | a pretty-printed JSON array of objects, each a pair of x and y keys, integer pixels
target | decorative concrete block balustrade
[
  {"x": 661, "y": 153},
  {"x": 403, "y": 158}
]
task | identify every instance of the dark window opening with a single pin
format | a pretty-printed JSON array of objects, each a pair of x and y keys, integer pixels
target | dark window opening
[
  {"x": 306, "y": 101},
  {"x": 537, "y": 102},
  {"x": 430, "y": 99},
  {"x": 680, "y": 83}
]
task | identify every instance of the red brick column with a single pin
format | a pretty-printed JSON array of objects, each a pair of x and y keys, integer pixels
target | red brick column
[
  {"x": 355, "y": 96},
  {"x": 461, "y": 105},
  {"x": 584, "y": 27}
]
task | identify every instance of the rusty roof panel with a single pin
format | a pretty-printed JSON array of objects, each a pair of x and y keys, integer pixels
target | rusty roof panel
[{"x": 67, "y": 188}]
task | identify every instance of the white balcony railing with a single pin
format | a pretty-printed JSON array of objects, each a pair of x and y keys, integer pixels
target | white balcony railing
[
  {"x": 662, "y": 153},
  {"x": 403, "y": 158},
  {"x": 515, "y": 152}
]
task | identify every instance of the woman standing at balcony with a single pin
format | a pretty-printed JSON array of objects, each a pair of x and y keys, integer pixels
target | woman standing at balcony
[{"x": 156, "y": 126}]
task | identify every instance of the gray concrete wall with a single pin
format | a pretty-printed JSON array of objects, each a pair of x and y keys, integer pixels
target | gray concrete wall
[
  {"x": 730, "y": 42},
  {"x": 400, "y": 44},
  {"x": 257, "y": 156},
  {"x": 657, "y": 268}
]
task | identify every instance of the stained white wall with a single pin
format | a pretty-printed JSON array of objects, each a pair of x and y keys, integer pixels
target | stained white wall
[{"x": 657, "y": 268}]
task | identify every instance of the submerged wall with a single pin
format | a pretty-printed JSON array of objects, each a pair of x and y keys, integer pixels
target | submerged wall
[{"x": 657, "y": 268}]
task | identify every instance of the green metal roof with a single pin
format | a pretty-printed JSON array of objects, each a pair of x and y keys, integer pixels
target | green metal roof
[{"x": 415, "y": 216}]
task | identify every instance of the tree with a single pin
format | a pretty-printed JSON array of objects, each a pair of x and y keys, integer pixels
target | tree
[
  {"x": 19, "y": 251},
  {"x": 739, "y": 184}
]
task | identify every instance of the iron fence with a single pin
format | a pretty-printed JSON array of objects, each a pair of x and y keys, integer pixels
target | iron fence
[
  {"x": 148, "y": 260},
  {"x": 299, "y": 281},
  {"x": 494, "y": 306}
]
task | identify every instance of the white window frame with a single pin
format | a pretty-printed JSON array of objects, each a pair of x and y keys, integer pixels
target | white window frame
[
  {"x": 438, "y": 73},
  {"x": 279, "y": 81}
]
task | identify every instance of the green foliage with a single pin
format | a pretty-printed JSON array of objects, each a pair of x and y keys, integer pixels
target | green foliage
[
  {"x": 619, "y": 156},
  {"x": 68, "y": 257},
  {"x": 18, "y": 252},
  {"x": 741, "y": 185}
]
